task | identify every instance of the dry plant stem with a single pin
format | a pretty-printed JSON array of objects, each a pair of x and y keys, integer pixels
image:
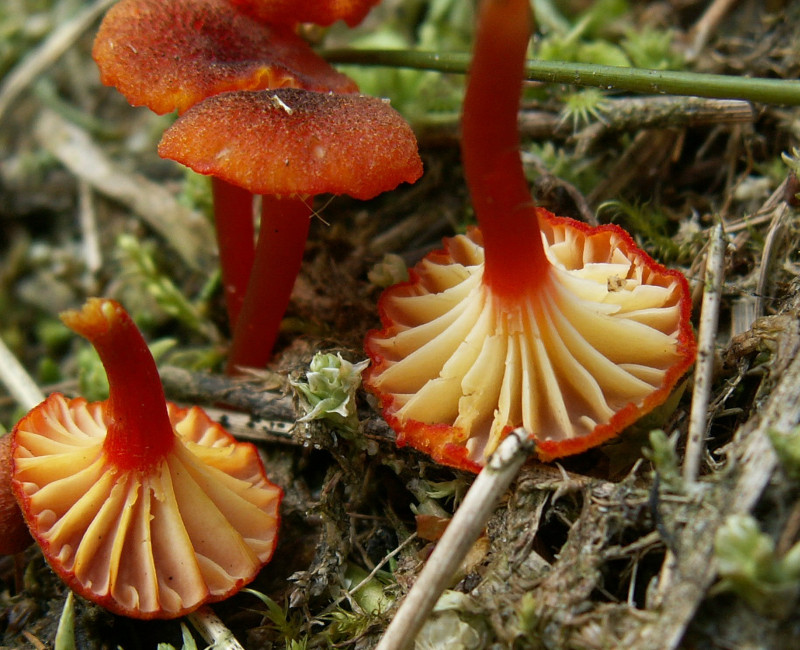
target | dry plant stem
[
  {"x": 35, "y": 64},
  {"x": 458, "y": 538},
  {"x": 246, "y": 426},
  {"x": 279, "y": 254},
  {"x": 706, "y": 25},
  {"x": 253, "y": 397},
  {"x": 692, "y": 569},
  {"x": 189, "y": 234},
  {"x": 17, "y": 380},
  {"x": 618, "y": 114},
  {"x": 704, "y": 369},
  {"x": 213, "y": 630},
  {"x": 91, "y": 238},
  {"x": 233, "y": 222},
  {"x": 648, "y": 152},
  {"x": 769, "y": 256},
  {"x": 634, "y": 113}
]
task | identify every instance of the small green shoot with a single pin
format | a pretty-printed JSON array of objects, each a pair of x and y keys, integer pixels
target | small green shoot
[
  {"x": 581, "y": 172},
  {"x": 188, "y": 641},
  {"x": 662, "y": 452},
  {"x": 139, "y": 268},
  {"x": 330, "y": 391},
  {"x": 651, "y": 225},
  {"x": 196, "y": 192},
  {"x": 453, "y": 624},
  {"x": 290, "y": 628},
  {"x": 581, "y": 106},
  {"x": 787, "y": 447},
  {"x": 652, "y": 49},
  {"x": 390, "y": 270},
  {"x": 749, "y": 566},
  {"x": 369, "y": 592},
  {"x": 65, "y": 633}
]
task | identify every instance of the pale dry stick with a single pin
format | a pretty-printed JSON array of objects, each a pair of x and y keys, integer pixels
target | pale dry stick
[
  {"x": 776, "y": 236},
  {"x": 17, "y": 380},
  {"x": 662, "y": 112},
  {"x": 88, "y": 221},
  {"x": 352, "y": 590},
  {"x": 246, "y": 426},
  {"x": 706, "y": 25},
  {"x": 35, "y": 63},
  {"x": 752, "y": 466},
  {"x": 213, "y": 630},
  {"x": 706, "y": 337},
  {"x": 461, "y": 533},
  {"x": 380, "y": 564},
  {"x": 185, "y": 230}
]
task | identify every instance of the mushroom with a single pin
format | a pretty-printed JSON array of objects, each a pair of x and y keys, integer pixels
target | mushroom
[
  {"x": 288, "y": 144},
  {"x": 319, "y": 12},
  {"x": 170, "y": 54},
  {"x": 141, "y": 506},
  {"x": 530, "y": 319},
  {"x": 15, "y": 537}
]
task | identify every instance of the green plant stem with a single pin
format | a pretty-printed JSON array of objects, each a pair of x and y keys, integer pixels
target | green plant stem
[{"x": 756, "y": 89}]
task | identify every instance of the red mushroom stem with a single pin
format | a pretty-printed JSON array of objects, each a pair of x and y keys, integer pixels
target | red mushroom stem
[
  {"x": 515, "y": 256},
  {"x": 279, "y": 254},
  {"x": 233, "y": 220},
  {"x": 140, "y": 434}
]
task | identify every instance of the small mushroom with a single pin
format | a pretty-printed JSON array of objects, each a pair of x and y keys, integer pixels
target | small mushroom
[
  {"x": 15, "y": 537},
  {"x": 287, "y": 145},
  {"x": 170, "y": 54},
  {"x": 146, "y": 508},
  {"x": 319, "y": 12},
  {"x": 530, "y": 320}
]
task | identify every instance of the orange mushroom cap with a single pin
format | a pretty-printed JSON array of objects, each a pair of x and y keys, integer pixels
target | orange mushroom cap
[
  {"x": 294, "y": 142},
  {"x": 602, "y": 340},
  {"x": 15, "y": 537},
  {"x": 183, "y": 517},
  {"x": 320, "y": 12},
  {"x": 170, "y": 54}
]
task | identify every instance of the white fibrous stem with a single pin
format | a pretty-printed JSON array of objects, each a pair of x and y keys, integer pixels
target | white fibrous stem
[{"x": 599, "y": 333}]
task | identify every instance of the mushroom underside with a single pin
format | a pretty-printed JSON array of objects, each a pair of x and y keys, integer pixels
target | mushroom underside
[
  {"x": 598, "y": 344},
  {"x": 192, "y": 528}
]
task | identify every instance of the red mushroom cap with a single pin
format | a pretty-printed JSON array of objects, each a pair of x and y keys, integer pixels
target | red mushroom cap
[
  {"x": 602, "y": 340},
  {"x": 170, "y": 54},
  {"x": 149, "y": 521},
  {"x": 320, "y": 12},
  {"x": 295, "y": 142}
]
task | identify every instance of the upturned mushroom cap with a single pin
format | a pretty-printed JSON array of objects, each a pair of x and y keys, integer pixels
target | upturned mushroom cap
[
  {"x": 320, "y": 12},
  {"x": 294, "y": 142},
  {"x": 158, "y": 531},
  {"x": 602, "y": 340},
  {"x": 15, "y": 537},
  {"x": 170, "y": 54}
]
